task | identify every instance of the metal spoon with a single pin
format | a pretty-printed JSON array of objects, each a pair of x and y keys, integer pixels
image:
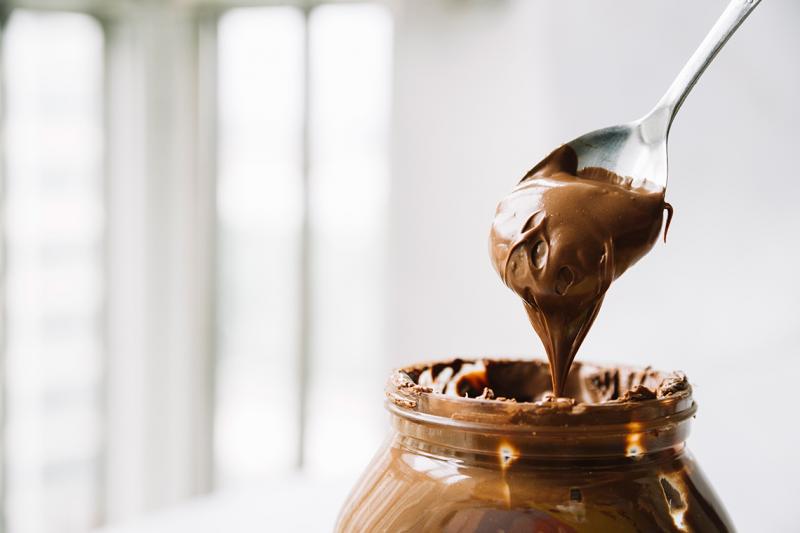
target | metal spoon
[{"x": 639, "y": 149}]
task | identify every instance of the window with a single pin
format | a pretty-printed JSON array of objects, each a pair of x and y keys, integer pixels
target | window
[
  {"x": 148, "y": 288},
  {"x": 260, "y": 210},
  {"x": 350, "y": 66},
  {"x": 275, "y": 391},
  {"x": 54, "y": 291}
]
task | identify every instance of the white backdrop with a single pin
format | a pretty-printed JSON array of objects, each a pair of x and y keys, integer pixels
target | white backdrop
[{"x": 484, "y": 89}]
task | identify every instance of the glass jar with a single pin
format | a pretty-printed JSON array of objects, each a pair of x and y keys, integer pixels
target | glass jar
[{"x": 456, "y": 464}]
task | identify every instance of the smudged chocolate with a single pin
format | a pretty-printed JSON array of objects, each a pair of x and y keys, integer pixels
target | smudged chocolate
[
  {"x": 559, "y": 240},
  {"x": 530, "y": 380}
]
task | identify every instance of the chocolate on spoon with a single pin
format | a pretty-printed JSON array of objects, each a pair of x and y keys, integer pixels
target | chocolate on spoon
[{"x": 590, "y": 210}]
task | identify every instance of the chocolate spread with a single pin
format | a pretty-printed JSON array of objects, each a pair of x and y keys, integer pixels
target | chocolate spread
[
  {"x": 527, "y": 381},
  {"x": 559, "y": 240}
]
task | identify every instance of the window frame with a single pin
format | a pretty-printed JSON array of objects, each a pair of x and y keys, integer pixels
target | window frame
[{"x": 158, "y": 430}]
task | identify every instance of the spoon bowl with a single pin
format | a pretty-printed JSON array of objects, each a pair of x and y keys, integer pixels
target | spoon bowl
[{"x": 630, "y": 150}]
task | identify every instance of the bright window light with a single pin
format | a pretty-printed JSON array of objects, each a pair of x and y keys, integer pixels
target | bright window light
[
  {"x": 54, "y": 291},
  {"x": 259, "y": 203},
  {"x": 261, "y": 113},
  {"x": 350, "y": 90}
]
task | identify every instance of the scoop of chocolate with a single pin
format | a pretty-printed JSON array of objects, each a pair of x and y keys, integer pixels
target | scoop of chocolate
[{"x": 559, "y": 240}]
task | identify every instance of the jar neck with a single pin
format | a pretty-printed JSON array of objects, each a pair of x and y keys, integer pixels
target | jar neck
[
  {"x": 644, "y": 423},
  {"x": 641, "y": 425},
  {"x": 503, "y": 445}
]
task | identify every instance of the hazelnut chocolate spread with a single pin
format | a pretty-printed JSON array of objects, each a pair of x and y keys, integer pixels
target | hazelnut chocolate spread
[
  {"x": 528, "y": 381},
  {"x": 559, "y": 240}
]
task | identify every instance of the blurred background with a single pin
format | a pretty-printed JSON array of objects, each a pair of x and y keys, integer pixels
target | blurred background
[{"x": 224, "y": 222}]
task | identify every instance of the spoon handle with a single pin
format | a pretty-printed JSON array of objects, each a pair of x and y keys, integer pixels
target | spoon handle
[{"x": 726, "y": 25}]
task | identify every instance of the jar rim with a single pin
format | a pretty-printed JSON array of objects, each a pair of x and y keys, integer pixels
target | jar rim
[{"x": 408, "y": 399}]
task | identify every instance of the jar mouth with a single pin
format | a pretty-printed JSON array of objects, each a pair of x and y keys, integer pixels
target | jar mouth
[{"x": 513, "y": 396}]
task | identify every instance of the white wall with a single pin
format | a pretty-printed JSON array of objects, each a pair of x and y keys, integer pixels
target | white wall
[{"x": 485, "y": 89}]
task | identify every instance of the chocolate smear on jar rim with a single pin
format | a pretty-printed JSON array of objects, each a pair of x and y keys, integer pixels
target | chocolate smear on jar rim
[
  {"x": 528, "y": 381},
  {"x": 613, "y": 411},
  {"x": 561, "y": 237}
]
